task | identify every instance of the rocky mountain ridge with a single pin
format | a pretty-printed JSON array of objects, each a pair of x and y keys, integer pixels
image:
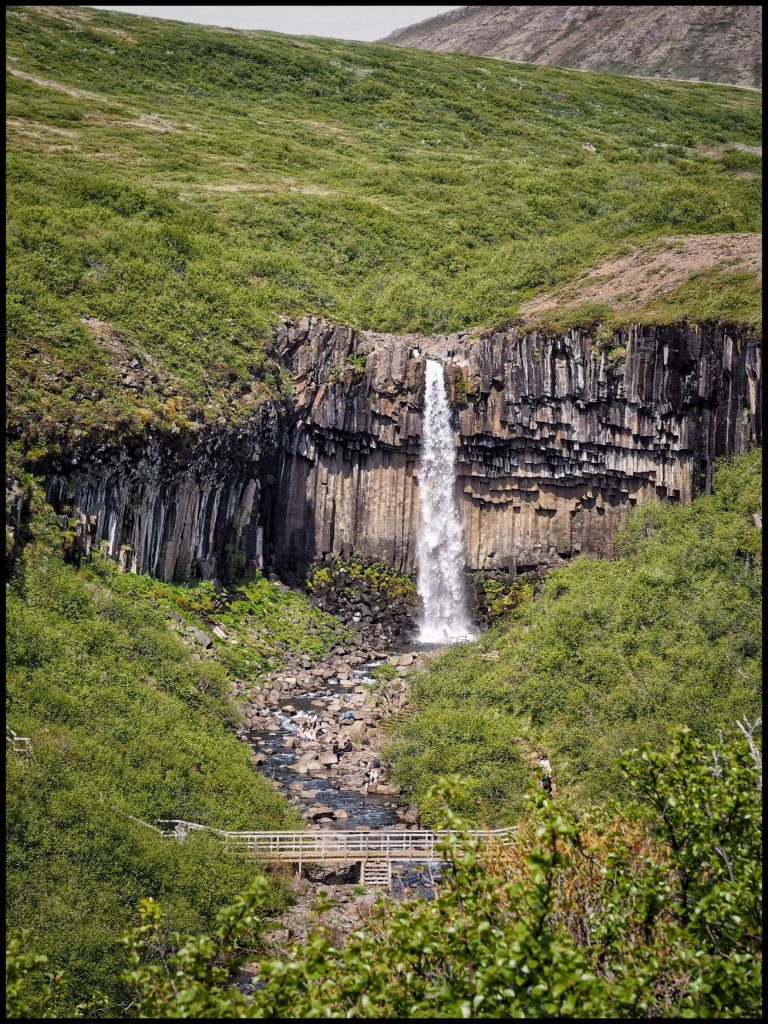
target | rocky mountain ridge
[{"x": 694, "y": 43}]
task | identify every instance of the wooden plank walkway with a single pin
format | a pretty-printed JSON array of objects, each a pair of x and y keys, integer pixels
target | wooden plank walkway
[{"x": 331, "y": 845}]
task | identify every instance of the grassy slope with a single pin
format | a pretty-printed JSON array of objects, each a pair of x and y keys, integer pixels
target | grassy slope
[
  {"x": 124, "y": 721},
  {"x": 607, "y": 657},
  {"x": 263, "y": 621},
  {"x": 386, "y": 188}
]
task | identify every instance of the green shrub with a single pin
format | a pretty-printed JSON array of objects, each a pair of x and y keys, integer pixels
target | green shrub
[
  {"x": 384, "y": 673},
  {"x": 357, "y": 362},
  {"x": 124, "y": 725},
  {"x": 608, "y": 656},
  {"x": 377, "y": 574}
]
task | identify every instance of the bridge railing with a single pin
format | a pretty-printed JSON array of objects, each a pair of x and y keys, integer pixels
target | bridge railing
[{"x": 329, "y": 844}]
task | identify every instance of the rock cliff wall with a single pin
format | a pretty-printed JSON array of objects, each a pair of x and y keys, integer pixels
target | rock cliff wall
[
  {"x": 172, "y": 508},
  {"x": 555, "y": 441}
]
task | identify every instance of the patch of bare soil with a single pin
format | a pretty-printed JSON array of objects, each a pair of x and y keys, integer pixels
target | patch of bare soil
[
  {"x": 105, "y": 334},
  {"x": 36, "y": 129},
  {"x": 287, "y": 186},
  {"x": 718, "y": 151},
  {"x": 653, "y": 270},
  {"x": 146, "y": 122},
  {"x": 325, "y": 128},
  {"x": 83, "y": 15},
  {"x": 311, "y": 190},
  {"x": 49, "y": 83}
]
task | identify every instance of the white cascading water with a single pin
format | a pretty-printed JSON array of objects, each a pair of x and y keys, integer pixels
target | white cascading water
[{"x": 440, "y": 541}]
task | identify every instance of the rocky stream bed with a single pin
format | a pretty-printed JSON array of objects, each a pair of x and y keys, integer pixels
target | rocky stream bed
[{"x": 329, "y": 791}]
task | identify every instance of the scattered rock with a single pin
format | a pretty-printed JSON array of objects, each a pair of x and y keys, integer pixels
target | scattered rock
[{"x": 200, "y": 637}]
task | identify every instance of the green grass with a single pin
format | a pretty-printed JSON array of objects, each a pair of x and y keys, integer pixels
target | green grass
[
  {"x": 124, "y": 724},
  {"x": 607, "y": 657},
  {"x": 391, "y": 189}
]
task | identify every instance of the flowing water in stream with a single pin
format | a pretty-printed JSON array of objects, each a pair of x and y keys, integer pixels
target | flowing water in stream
[
  {"x": 440, "y": 541},
  {"x": 368, "y": 811}
]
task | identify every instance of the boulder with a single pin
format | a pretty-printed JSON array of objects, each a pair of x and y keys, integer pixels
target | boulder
[
  {"x": 317, "y": 811},
  {"x": 304, "y": 759},
  {"x": 357, "y": 729},
  {"x": 387, "y": 790},
  {"x": 200, "y": 637}
]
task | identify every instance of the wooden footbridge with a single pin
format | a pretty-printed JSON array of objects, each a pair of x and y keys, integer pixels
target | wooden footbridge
[{"x": 374, "y": 852}]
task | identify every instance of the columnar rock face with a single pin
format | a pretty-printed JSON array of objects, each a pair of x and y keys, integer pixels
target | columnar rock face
[
  {"x": 555, "y": 440},
  {"x": 171, "y": 509}
]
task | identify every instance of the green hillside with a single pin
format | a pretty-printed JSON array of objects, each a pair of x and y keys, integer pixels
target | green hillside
[
  {"x": 181, "y": 188},
  {"x": 609, "y": 656},
  {"x": 126, "y": 722}
]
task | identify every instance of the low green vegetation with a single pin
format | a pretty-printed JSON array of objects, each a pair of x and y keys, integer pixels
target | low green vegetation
[
  {"x": 608, "y": 656},
  {"x": 357, "y": 362},
  {"x": 655, "y": 913},
  {"x": 263, "y": 621},
  {"x": 384, "y": 673},
  {"x": 174, "y": 190},
  {"x": 128, "y": 724},
  {"x": 378, "y": 578},
  {"x": 497, "y": 598}
]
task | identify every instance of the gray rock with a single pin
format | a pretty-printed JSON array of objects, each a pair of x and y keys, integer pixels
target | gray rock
[{"x": 200, "y": 637}]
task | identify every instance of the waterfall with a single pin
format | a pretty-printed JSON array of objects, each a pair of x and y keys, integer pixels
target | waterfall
[{"x": 440, "y": 541}]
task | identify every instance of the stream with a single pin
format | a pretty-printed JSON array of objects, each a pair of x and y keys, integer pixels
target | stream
[{"x": 331, "y": 795}]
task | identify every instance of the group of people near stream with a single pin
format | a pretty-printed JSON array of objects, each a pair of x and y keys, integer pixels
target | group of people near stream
[
  {"x": 334, "y": 744},
  {"x": 312, "y": 727}
]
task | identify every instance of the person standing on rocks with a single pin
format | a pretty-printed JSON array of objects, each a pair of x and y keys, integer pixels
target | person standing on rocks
[{"x": 373, "y": 774}]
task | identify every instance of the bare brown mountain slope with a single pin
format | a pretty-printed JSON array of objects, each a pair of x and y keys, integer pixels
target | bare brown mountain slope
[{"x": 699, "y": 44}]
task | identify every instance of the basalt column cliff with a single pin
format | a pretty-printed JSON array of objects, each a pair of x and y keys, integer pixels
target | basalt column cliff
[{"x": 555, "y": 441}]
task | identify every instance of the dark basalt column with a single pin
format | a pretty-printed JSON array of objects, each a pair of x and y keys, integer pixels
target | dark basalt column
[{"x": 555, "y": 440}]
